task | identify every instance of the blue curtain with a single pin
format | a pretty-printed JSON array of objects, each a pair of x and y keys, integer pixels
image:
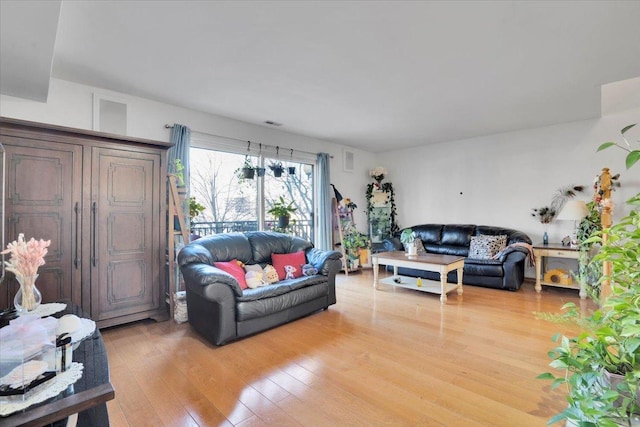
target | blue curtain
[
  {"x": 324, "y": 240},
  {"x": 181, "y": 140}
]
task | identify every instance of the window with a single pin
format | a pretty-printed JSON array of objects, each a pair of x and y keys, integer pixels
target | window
[
  {"x": 235, "y": 202},
  {"x": 230, "y": 204},
  {"x": 295, "y": 185}
]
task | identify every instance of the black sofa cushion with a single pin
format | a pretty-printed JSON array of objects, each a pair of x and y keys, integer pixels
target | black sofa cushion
[
  {"x": 429, "y": 233},
  {"x": 483, "y": 267},
  {"x": 264, "y": 243},
  {"x": 246, "y": 310},
  {"x": 280, "y": 288},
  {"x": 457, "y": 235}
]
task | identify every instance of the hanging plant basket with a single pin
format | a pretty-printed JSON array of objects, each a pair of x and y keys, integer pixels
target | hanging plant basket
[
  {"x": 291, "y": 170},
  {"x": 277, "y": 169},
  {"x": 260, "y": 171},
  {"x": 248, "y": 173}
]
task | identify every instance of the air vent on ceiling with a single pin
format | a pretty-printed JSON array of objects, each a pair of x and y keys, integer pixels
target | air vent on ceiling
[{"x": 272, "y": 123}]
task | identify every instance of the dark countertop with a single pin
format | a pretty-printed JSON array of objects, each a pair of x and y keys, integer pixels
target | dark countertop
[{"x": 87, "y": 396}]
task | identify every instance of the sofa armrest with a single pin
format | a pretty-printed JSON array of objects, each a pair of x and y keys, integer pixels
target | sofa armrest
[
  {"x": 204, "y": 274},
  {"x": 512, "y": 254},
  {"x": 323, "y": 260},
  {"x": 512, "y": 259},
  {"x": 212, "y": 310}
]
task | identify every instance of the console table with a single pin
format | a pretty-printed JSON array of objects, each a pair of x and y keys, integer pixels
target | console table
[
  {"x": 87, "y": 397},
  {"x": 554, "y": 250}
]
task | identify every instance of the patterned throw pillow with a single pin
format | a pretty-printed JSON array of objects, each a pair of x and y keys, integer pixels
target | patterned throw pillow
[
  {"x": 420, "y": 250},
  {"x": 485, "y": 247},
  {"x": 270, "y": 274},
  {"x": 292, "y": 262}
]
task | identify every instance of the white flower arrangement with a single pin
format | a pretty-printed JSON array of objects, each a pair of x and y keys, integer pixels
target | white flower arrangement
[{"x": 378, "y": 173}]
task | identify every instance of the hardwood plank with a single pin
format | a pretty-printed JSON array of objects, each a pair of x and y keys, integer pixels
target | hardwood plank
[{"x": 391, "y": 357}]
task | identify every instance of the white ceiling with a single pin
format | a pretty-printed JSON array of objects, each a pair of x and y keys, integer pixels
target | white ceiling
[{"x": 375, "y": 75}]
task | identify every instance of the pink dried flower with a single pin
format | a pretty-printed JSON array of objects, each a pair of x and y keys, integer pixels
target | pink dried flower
[{"x": 26, "y": 257}]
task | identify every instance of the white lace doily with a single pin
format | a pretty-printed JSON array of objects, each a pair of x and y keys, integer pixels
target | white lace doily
[
  {"x": 87, "y": 327},
  {"x": 44, "y": 310},
  {"x": 46, "y": 390}
]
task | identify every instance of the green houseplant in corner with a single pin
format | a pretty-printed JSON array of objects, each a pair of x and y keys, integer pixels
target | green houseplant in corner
[
  {"x": 353, "y": 240},
  {"x": 609, "y": 347}
]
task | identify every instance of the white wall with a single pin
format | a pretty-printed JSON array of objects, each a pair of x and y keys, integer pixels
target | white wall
[
  {"x": 501, "y": 177},
  {"x": 498, "y": 179},
  {"x": 71, "y": 104}
]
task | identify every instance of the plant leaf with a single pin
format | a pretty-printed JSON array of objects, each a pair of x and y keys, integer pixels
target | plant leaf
[
  {"x": 546, "y": 376},
  {"x": 605, "y": 145},
  {"x": 626, "y": 128},
  {"x": 632, "y": 158}
]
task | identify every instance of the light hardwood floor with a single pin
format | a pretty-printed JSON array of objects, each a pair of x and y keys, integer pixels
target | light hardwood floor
[{"x": 391, "y": 357}]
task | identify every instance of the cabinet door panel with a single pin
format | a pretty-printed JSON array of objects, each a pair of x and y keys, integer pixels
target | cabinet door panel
[
  {"x": 43, "y": 197},
  {"x": 124, "y": 246}
]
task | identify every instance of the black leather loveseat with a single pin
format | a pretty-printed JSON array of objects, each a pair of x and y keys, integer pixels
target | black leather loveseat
[
  {"x": 504, "y": 272},
  {"x": 221, "y": 311}
]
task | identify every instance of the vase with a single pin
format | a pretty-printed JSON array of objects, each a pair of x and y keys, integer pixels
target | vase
[
  {"x": 412, "y": 250},
  {"x": 28, "y": 297},
  {"x": 283, "y": 221}
]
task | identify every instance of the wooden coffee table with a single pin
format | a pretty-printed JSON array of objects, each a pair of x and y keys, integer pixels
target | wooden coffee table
[{"x": 442, "y": 264}]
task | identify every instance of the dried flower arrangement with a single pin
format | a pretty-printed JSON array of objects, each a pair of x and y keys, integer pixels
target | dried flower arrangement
[
  {"x": 546, "y": 214},
  {"x": 26, "y": 258}
]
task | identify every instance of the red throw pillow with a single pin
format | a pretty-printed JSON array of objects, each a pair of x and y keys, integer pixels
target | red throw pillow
[
  {"x": 296, "y": 260},
  {"x": 233, "y": 268}
]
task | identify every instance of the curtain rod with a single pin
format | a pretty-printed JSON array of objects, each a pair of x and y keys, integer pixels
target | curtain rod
[{"x": 264, "y": 146}]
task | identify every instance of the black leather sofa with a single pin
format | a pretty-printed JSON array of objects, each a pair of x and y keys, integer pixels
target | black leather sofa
[
  {"x": 506, "y": 272},
  {"x": 221, "y": 311}
]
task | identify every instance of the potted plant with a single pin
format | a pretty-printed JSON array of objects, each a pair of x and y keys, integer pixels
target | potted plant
[
  {"x": 177, "y": 170},
  {"x": 589, "y": 273},
  {"x": 610, "y": 345},
  {"x": 195, "y": 208},
  {"x": 353, "y": 241},
  {"x": 408, "y": 238},
  {"x": 281, "y": 210},
  {"x": 277, "y": 169},
  {"x": 248, "y": 171},
  {"x": 602, "y": 364}
]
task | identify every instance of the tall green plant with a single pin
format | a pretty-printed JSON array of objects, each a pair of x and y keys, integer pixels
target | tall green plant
[
  {"x": 589, "y": 273},
  {"x": 611, "y": 340}
]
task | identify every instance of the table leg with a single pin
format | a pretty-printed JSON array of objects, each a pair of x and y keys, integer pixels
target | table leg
[
  {"x": 538, "y": 273},
  {"x": 460, "y": 280},
  {"x": 443, "y": 285},
  {"x": 375, "y": 272}
]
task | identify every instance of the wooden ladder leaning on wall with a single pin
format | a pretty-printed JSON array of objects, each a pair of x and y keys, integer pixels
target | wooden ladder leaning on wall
[{"x": 174, "y": 212}]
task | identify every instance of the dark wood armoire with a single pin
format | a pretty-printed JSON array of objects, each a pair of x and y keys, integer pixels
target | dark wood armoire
[{"x": 101, "y": 200}]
